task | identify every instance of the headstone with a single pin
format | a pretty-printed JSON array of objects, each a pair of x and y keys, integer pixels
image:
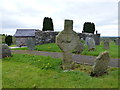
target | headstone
[
  {"x": 117, "y": 41},
  {"x": 30, "y": 43},
  {"x": 101, "y": 64},
  {"x": 97, "y": 39},
  {"x": 90, "y": 43},
  {"x": 106, "y": 44},
  {"x": 6, "y": 52},
  {"x": 67, "y": 40}
]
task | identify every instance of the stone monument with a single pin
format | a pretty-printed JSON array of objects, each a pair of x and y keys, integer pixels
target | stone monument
[
  {"x": 106, "y": 44},
  {"x": 90, "y": 43},
  {"x": 79, "y": 48},
  {"x": 117, "y": 41},
  {"x": 6, "y": 52},
  {"x": 101, "y": 64},
  {"x": 67, "y": 40}
]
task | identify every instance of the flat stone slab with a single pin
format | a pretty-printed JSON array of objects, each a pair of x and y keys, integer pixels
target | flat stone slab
[{"x": 82, "y": 59}]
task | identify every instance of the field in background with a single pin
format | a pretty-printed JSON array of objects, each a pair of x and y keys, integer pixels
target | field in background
[{"x": 32, "y": 71}]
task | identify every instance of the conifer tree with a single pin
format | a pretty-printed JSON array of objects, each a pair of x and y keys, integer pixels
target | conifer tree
[
  {"x": 47, "y": 24},
  {"x": 89, "y": 27}
]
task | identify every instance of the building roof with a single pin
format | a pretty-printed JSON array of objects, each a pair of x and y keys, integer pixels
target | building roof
[{"x": 25, "y": 32}]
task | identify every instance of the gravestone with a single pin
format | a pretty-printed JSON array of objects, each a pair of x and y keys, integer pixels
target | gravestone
[
  {"x": 106, "y": 44},
  {"x": 90, "y": 43},
  {"x": 6, "y": 52},
  {"x": 101, "y": 64},
  {"x": 97, "y": 39},
  {"x": 67, "y": 40},
  {"x": 117, "y": 41},
  {"x": 31, "y": 43}
]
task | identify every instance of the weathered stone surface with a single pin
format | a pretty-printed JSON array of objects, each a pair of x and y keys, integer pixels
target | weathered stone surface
[
  {"x": 31, "y": 43},
  {"x": 117, "y": 41},
  {"x": 21, "y": 41},
  {"x": 6, "y": 52},
  {"x": 101, "y": 64},
  {"x": 97, "y": 39},
  {"x": 43, "y": 37},
  {"x": 79, "y": 48},
  {"x": 90, "y": 43},
  {"x": 67, "y": 40},
  {"x": 106, "y": 44},
  {"x": 95, "y": 36}
]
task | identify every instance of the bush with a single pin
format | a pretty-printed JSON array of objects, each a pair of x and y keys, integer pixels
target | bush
[{"x": 8, "y": 40}]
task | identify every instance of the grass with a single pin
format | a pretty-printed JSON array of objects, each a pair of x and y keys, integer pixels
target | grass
[
  {"x": 0, "y": 73},
  {"x": 12, "y": 45},
  {"x": 30, "y": 71},
  {"x": 52, "y": 47},
  {"x": 113, "y": 50},
  {"x": 22, "y": 48}
]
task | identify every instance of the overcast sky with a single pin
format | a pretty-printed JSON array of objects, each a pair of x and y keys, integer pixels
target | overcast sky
[{"x": 16, "y": 14}]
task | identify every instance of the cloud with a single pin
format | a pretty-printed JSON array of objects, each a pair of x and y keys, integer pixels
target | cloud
[
  {"x": 108, "y": 30},
  {"x": 30, "y": 14}
]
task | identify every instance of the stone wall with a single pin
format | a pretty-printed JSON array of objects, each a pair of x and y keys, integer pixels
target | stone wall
[
  {"x": 21, "y": 41},
  {"x": 43, "y": 37}
]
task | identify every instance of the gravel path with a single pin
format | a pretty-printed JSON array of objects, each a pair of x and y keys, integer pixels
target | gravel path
[{"x": 83, "y": 59}]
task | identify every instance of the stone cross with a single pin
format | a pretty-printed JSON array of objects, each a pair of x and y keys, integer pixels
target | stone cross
[
  {"x": 67, "y": 40},
  {"x": 101, "y": 64},
  {"x": 79, "y": 48},
  {"x": 106, "y": 44}
]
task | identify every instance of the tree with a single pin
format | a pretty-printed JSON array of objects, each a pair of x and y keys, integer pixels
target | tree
[
  {"x": 8, "y": 40},
  {"x": 47, "y": 24},
  {"x": 89, "y": 27},
  {"x": 3, "y": 34}
]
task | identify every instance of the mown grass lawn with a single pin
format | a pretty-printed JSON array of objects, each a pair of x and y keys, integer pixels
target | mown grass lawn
[
  {"x": 12, "y": 45},
  {"x": 113, "y": 50},
  {"x": 52, "y": 47},
  {"x": 30, "y": 71}
]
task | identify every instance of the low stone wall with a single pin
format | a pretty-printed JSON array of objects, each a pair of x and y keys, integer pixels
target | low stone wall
[
  {"x": 21, "y": 41},
  {"x": 43, "y": 37}
]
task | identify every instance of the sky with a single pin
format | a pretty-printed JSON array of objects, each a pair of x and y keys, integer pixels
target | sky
[{"x": 29, "y": 14}]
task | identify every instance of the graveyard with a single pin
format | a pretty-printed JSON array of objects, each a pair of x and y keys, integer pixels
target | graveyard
[{"x": 52, "y": 65}]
